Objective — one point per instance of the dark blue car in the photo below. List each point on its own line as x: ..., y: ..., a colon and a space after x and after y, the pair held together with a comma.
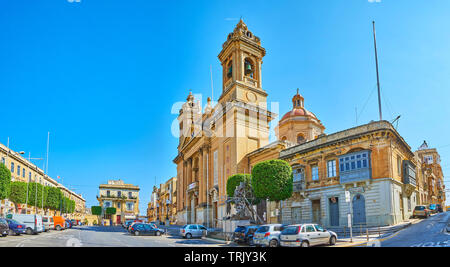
x: 16, y: 227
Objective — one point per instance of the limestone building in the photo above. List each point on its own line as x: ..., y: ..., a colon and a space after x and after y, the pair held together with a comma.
x: 214, y: 142
x: 124, y: 197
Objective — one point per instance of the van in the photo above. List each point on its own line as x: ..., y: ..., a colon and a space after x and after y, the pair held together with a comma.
x: 48, y: 223
x: 33, y: 222
x: 59, y: 223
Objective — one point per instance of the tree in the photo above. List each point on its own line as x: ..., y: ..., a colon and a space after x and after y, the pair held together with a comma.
x: 110, y: 211
x: 18, y: 194
x: 53, y: 197
x: 5, y: 181
x: 234, y: 181
x: 273, y: 180
x: 96, y: 210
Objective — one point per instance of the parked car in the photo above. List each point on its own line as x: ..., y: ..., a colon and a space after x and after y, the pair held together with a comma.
x: 127, y: 223
x: 421, y: 211
x: 244, y: 234
x: 48, y: 223
x: 33, y: 222
x: 268, y: 235
x: 4, y: 227
x: 305, y: 235
x: 59, y: 223
x: 15, y: 227
x: 432, y: 208
x: 192, y: 230
x: 68, y: 224
x: 145, y: 229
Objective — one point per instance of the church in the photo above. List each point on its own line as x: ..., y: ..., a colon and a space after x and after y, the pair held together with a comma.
x: 372, y: 162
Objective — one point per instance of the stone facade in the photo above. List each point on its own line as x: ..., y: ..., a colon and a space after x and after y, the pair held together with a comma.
x: 214, y: 142
x: 24, y: 170
x: 163, y: 203
x: 124, y: 197
x: 369, y: 162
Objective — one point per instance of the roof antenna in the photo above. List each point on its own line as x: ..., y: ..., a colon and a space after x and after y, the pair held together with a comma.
x: 378, y: 76
x: 396, y: 120
x: 212, y: 85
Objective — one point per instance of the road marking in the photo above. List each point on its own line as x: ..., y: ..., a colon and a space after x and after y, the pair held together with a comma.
x: 433, y: 244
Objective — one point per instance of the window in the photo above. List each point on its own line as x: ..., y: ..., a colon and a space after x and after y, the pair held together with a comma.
x: 319, y: 228
x: 354, y: 161
x: 331, y: 168
x: 118, y: 205
x: 119, y: 193
x: 23, y: 172
x: 3, y: 160
x: 130, y: 206
x: 399, y: 165
x: 216, y: 167
x: 18, y: 170
x: 428, y: 159
x: 315, y: 173
x: 299, y: 174
x: 310, y: 228
x: 107, y: 204
x: 130, y: 195
x: 300, y: 139
x: 12, y: 167
x: 108, y: 193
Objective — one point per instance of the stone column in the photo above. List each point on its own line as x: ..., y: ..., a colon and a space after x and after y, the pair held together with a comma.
x: 201, y: 180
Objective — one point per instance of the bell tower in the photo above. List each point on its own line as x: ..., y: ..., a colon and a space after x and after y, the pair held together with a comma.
x: 241, y: 59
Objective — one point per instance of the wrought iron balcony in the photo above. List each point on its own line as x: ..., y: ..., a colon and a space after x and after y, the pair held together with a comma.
x: 299, y: 186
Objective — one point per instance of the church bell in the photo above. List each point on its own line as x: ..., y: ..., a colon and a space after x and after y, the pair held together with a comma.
x: 248, y: 68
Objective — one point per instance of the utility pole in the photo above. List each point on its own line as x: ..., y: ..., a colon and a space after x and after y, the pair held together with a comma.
x: 378, y: 75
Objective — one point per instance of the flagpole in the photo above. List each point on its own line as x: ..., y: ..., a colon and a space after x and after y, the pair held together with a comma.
x: 378, y: 76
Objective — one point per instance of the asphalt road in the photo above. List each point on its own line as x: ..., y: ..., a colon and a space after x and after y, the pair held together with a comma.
x: 98, y: 236
x: 426, y: 233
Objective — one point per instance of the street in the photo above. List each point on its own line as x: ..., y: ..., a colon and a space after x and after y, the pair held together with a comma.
x: 98, y: 236
x: 426, y: 233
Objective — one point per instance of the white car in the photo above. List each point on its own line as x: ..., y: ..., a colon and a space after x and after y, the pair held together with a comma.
x: 305, y: 235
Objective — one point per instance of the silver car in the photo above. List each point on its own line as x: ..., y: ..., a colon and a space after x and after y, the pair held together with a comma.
x: 268, y: 235
x: 305, y: 235
x: 192, y: 230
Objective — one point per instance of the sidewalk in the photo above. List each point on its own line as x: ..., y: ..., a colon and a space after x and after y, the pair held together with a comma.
x: 374, y: 238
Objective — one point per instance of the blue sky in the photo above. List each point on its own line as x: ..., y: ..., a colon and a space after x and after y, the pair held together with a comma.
x: 102, y: 75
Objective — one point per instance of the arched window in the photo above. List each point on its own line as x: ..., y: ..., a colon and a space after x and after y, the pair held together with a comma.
x: 283, y: 138
x: 300, y: 139
x: 248, y: 68
x: 230, y: 69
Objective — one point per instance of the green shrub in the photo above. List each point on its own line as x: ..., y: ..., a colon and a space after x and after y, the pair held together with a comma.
x: 272, y: 180
x: 234, y: 181
x: 96, y: 210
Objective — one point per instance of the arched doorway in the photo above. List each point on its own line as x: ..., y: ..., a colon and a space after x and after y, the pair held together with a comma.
x: 359, y: 209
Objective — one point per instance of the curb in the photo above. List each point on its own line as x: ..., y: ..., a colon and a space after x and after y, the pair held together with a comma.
x: 216, y: 240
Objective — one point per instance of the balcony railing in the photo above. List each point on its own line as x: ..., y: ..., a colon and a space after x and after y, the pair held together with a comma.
x: 299, y: 186
x: 355, y: 175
